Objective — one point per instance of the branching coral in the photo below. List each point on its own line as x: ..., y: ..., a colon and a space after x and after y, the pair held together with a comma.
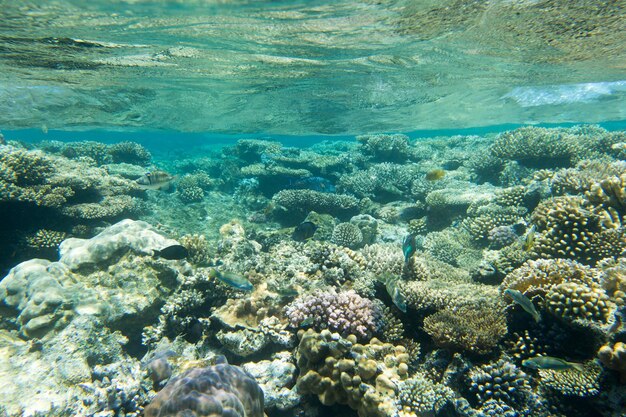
x: 348, y: 235
x: 345, y: 312
x: 301, y: 202
x: 470, y: 329
x: 573, y: 382
x: 393, y: 148
x: 536, y: 146
x: 130, y: 153
x: 500, y: 380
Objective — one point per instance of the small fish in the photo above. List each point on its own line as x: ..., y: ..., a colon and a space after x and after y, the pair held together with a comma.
x: 233, y: 279
x: 307, y: 322
x: 523, y: 302
x: 304, y: 231
x: 393, y: 289
x: 155, y: 180
x: 435, y: 174
x: 529, y: 239
x: 173, y: 252
x: 408, y: 247
x: 549, y: 362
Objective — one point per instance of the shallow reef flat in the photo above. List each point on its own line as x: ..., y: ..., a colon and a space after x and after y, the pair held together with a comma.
x: 379, y: 277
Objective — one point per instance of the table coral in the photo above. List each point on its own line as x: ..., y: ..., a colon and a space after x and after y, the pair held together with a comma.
x: 218, y: 390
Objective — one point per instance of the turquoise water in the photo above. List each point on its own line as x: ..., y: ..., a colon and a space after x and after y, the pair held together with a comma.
x: 390, y: 208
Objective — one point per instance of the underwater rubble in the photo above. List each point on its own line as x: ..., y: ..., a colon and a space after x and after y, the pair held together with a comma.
x: 425, y: 278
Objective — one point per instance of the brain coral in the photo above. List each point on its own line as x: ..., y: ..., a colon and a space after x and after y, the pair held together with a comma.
x: 345, y: 312
x: 219, y: 390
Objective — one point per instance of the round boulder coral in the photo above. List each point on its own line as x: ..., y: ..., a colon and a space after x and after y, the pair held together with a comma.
x: 219, y: 390
x: 347, y: 234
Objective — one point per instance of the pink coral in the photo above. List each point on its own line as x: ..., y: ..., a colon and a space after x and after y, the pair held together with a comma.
x: 345, y: 312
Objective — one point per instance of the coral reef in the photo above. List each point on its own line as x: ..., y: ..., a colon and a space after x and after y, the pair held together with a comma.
x: 395, y: 307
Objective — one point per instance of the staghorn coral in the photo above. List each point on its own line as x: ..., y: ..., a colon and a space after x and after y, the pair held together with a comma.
x: 499, y: 380
x: 572, y: 382
x: 218, y: 390
x: 348, y: 235
x: 130, y: 153
x: 341, y: 371
x: 470, y: 329
x: 609, y: 192
x: 300, y: 202
x: 345, y: 312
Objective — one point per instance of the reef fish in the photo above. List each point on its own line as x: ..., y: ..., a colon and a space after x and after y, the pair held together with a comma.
x: 173, y: 252
x: 408, y: 247
x: 529, y: 239
x: 233, y: 279
x: 155, y: 180
x: 304, y: 231
x: 524, y: 302
x: 393, y: 289
x: 313, y: 183
x: 549, y: 362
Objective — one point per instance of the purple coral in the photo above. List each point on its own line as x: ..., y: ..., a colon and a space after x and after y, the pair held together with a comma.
x: 502, y: 236
x: 345, y: 312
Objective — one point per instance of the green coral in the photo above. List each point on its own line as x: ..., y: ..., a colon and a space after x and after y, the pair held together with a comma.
x: 476, y: 330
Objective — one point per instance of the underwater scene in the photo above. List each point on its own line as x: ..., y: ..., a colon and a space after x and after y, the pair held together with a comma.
x: 376, y: 208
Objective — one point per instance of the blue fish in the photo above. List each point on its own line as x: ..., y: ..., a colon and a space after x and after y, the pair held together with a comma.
x: 408, y: 247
